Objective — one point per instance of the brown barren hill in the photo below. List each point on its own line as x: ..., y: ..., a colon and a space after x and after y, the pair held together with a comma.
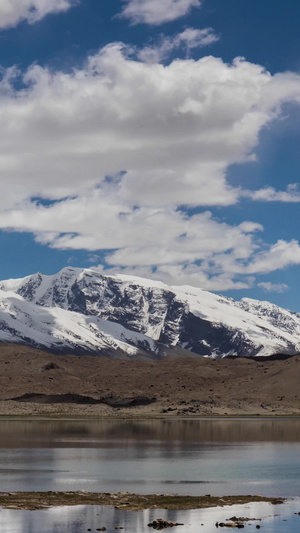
x: 33, y: 382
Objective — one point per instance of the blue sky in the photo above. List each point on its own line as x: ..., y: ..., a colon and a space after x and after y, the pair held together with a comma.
x: 159, y: 138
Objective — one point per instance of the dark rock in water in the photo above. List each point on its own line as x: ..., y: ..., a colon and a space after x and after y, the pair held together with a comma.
x: 242, y: 519
x: 233, y: 525
x: 160, y: 523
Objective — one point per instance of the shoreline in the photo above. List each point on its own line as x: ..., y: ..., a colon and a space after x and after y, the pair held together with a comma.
x: 155, y: 411
x: 82, y: 417
x: 33, y: 501
x: 33, y: 411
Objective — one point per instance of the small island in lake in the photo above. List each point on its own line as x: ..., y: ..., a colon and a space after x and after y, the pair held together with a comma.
x: 122, y: 500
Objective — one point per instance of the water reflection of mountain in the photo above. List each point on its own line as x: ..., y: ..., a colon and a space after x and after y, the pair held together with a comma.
x: 90, y: 433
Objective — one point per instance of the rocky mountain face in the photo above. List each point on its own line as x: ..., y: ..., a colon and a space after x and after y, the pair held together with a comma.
x: 85, y: 311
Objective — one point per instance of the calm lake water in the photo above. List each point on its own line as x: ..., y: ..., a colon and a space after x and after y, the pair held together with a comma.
x: 194, y: 457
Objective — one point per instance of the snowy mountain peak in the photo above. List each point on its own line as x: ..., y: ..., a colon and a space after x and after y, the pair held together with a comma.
x: 148, y: 317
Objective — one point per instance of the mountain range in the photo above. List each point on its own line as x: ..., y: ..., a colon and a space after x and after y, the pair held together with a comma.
x: 84, y: 311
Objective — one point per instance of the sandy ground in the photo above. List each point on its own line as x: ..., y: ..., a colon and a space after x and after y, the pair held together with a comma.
x: 176, y: 386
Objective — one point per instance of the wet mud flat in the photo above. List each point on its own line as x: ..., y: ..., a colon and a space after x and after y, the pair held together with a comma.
x: 123, y: 500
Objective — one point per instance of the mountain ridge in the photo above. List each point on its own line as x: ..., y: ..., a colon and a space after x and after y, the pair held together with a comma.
x: 86, y: 311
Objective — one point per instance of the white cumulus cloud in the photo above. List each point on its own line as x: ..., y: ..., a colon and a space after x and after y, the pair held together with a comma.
x: 173, y: 130
x: 114, y: 150
x: 155, y: 12
x: 269, y: 194
x: 189, y: 39
x: 280, y: 255
x: 14, y: 11
x: 268, y: 286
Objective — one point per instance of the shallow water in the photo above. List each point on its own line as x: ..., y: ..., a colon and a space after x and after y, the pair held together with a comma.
x: 194, y: 457
x: 273, y: 519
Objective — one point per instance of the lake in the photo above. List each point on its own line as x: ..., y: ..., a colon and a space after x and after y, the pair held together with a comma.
x: 199, y: 456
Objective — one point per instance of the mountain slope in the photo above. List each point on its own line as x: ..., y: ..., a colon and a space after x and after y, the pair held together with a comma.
x: 87, y: 311
x: 64, y: 331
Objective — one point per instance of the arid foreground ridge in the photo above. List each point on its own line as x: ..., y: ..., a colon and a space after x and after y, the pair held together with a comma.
x: 99, y: 387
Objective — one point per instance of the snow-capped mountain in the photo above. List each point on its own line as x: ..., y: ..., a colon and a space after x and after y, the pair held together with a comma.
x: 85, y: 311
x: 64, y: 331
